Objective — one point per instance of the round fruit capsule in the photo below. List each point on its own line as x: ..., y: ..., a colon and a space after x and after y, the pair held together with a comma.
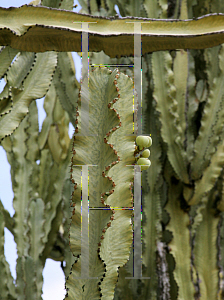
x: 144, y: 163
x: 142, y: 141
x: 146, y: 153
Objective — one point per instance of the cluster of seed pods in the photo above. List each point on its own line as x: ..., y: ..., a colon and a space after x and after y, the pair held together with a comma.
x: 144, y: 142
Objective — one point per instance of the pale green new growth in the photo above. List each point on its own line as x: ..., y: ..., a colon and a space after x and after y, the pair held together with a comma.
x: 145, y: 163
x: 143, y: 141
x: 146, y: 153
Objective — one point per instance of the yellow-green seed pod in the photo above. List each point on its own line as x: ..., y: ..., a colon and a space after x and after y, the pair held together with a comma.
x: 142, y: 141
x: 146, y: 153
x: 144, y: 163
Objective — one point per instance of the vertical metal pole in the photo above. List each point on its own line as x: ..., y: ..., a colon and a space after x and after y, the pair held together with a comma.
x: 137, y: 177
